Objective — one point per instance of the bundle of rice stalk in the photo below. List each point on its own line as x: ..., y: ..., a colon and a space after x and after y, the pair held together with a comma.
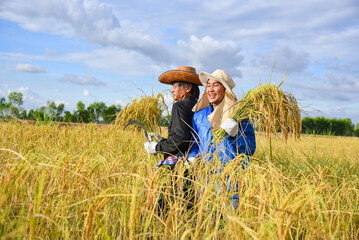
x: 147, y: 110
x: 270, y: 109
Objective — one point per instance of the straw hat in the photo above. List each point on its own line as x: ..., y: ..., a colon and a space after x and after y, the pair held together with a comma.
x: 182, y: 74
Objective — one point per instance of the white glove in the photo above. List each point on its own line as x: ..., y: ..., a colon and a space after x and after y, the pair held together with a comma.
x: 191, y: 159
x: 150, y: 147
x: 231, y: 127
x: 189, y: 162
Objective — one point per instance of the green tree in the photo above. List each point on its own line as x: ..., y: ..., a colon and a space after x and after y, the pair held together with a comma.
x: 80, y: 105
x: 82, y: 115
x: 68, y: 117
x: 7, y: 109
x: 39, y: 114
x: 31, y: 115
x: 51, y: 109
x: 15, y: 111
x: 95, y: 109
x: 2, y: 106
x: 15, y: 98
x: 356, y: 131
x: 165, y: 120
x: 109, y: 114
x: 60, y: 110
x: 23, y: 114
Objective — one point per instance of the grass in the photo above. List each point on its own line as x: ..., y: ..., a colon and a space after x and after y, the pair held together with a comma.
x: 83, y: 181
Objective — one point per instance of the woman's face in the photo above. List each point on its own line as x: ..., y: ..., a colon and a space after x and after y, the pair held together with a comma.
x: 214, y: 91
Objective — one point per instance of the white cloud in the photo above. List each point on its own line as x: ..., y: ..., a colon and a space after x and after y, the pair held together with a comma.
x: 90, y: 19
x: 51, y: 53
x: 284, y: 59
x: 210, y: 54
x: 339, y: 108
x: 86, y: 92
x: 58, y: 102
x: 30, y: 97
x: 68, y: 17
x: 29, y: 68
x: 114, y: 60
x: 85, y: 80
x: 23, y: 89
x: 121, y: 102
x: 319, y: 89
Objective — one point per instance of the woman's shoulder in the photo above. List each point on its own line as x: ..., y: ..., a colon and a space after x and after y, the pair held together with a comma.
x: 203, y: 111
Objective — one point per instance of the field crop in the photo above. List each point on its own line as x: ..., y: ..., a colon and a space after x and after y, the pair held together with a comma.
x: 85, y: 181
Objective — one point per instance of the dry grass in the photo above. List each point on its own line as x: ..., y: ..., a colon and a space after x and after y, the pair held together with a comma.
x: 146, y: 109
x: 270, y: 108
x: 77, y: 182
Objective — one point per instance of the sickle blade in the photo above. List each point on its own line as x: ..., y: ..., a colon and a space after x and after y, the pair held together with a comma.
x: 141, y: 125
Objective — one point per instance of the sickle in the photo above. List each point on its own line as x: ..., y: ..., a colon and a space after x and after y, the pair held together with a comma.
x: 141, y: 125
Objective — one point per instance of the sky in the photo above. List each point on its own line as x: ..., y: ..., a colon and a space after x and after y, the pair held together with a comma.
x: 114, y: 51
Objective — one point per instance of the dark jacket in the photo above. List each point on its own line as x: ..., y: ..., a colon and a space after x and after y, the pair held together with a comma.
x: 179, y: 129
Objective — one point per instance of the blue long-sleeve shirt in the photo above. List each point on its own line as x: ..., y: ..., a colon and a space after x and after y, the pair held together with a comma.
x: 229, y: 148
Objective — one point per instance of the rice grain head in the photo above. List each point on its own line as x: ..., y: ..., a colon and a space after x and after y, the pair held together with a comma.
x: 270, y: 109
x: 147, y: 110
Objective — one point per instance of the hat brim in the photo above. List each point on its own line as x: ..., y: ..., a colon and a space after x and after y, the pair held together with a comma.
x: 204, y: 77
x: 172, y: 76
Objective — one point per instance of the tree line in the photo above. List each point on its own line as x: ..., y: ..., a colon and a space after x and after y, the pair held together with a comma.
x: 96, y: 112
x: 325, y: 126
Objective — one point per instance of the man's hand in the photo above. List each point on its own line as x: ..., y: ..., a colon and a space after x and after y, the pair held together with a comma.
x: 231, y: 127
x: 156, y: 136
x: 150, y: 147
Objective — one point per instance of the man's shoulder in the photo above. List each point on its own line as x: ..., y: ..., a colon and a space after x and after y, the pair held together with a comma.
x: 187, y: 102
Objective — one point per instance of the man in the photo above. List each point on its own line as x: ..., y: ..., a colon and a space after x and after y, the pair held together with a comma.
x: 185, y: 93
x: 211, y: 113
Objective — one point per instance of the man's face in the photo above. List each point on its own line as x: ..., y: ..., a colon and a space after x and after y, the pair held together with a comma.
x: 179, y: 93
x: 214, y: 91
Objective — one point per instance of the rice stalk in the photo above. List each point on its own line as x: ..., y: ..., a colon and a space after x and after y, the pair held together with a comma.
x: 270, y: 109
x: 147, y: 110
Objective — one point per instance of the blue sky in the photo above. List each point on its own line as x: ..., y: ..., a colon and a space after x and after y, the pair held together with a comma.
x: 114, y: 51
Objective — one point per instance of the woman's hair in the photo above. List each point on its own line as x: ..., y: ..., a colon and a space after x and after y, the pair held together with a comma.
x: 194, y: 90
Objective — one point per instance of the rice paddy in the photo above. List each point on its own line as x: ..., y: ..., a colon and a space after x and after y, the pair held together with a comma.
x: 90, y: 182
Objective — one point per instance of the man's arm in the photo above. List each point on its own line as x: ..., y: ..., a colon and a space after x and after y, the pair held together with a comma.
x: 180, y: 132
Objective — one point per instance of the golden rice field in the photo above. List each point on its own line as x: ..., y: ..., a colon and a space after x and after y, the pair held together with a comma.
x: 88, y: 182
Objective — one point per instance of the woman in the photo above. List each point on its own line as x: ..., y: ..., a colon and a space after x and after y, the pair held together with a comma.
x: 211, y: 113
